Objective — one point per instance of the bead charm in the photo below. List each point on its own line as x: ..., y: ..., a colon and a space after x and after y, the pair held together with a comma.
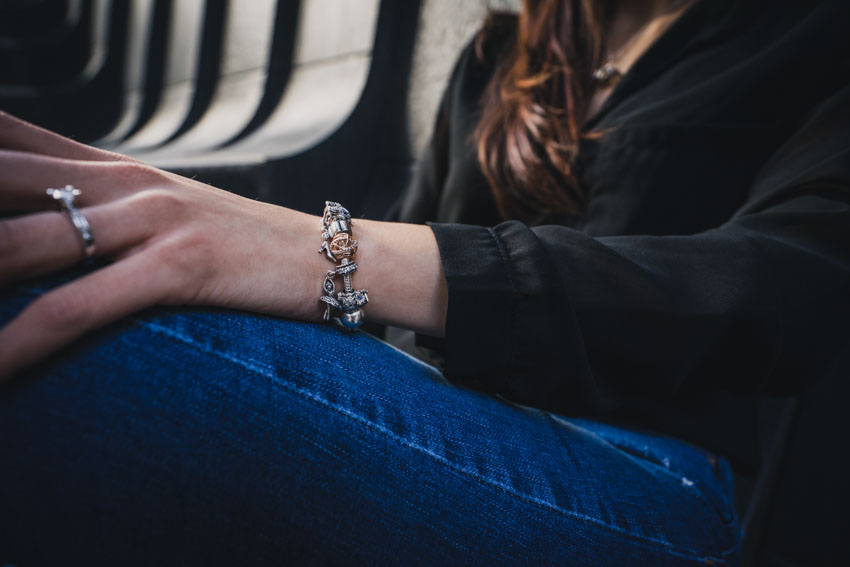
x: 339, y: 246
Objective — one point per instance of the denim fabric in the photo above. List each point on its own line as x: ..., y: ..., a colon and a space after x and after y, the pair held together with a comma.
x: 192, y: 436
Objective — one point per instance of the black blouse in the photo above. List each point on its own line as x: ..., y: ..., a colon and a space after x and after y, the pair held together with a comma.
x: 713, y: 261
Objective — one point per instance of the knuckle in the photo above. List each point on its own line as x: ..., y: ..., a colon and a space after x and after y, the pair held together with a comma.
x: 110, y: 156
x: 135, y: 173
x: 161, y: 203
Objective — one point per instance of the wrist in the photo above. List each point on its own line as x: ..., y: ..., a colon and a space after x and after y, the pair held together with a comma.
x: 401, y: 268
x: 399, y: 264
x: 294, y: 268
x: 340, y: 247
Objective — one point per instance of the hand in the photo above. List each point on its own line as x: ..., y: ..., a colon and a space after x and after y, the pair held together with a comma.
x: 171, y: 241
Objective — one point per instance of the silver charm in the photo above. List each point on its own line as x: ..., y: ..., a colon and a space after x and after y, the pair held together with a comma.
x: 340, y: 247
x: 326, y: 248
x: 346, y: 267
x: 352, y: 300
x: 352, y: 320
x: 607, y: 75
x: 329, y: 287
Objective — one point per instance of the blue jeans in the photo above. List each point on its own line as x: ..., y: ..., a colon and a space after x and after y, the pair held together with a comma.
x: 191, y: 436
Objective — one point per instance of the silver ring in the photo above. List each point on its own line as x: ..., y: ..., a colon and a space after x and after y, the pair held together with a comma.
x: 66, y: 197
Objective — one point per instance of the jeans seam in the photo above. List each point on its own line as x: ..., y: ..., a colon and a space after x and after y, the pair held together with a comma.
x: 684, y: 553
x: 340, y: 367
x: 248, y: 365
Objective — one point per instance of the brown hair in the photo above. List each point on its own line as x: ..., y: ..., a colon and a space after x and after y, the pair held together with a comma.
x: 528, y: 136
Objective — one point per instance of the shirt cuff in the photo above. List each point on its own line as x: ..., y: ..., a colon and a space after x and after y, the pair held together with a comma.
x: 510, y: 327
x: 481, y: 305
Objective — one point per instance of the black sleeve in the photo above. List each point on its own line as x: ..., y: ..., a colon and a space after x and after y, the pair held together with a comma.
x: 551, y: 317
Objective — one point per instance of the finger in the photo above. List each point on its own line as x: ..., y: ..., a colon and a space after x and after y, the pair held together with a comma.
x: 64, y: 314
x: 16, y: 134
x: 47, y: 242
x: 26, y: 178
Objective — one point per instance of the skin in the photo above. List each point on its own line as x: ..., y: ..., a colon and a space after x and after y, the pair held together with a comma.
x: 175, y: 241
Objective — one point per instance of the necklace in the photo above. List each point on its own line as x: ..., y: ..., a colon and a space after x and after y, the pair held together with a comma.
x: 608, y: 74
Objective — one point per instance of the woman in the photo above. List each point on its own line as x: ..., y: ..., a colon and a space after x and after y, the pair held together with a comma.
x: 677, y: 174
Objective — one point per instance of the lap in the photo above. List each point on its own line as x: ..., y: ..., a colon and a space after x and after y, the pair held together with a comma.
x: 201, y: 435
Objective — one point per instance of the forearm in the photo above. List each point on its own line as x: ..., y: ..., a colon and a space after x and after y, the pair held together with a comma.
x: 399, y: 265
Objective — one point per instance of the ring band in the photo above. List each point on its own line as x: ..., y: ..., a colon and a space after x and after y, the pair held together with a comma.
x: 66, y: 197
